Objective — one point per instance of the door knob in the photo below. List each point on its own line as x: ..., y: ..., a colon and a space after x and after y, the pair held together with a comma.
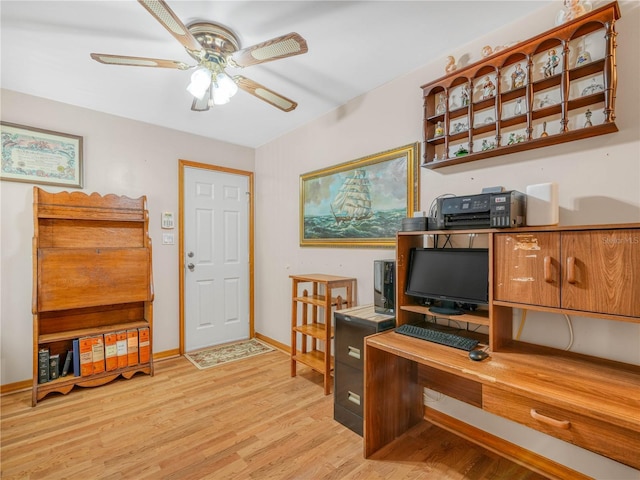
x: 190, y: 254
x: 191, y: 266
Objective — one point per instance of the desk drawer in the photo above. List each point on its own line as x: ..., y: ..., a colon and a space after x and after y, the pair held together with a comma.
x: 610, y: 440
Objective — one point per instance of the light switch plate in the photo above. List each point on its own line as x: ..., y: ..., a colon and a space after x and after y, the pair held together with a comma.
x: 168, y: 239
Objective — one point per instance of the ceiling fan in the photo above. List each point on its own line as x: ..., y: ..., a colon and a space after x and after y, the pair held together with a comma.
x: 214, y: 48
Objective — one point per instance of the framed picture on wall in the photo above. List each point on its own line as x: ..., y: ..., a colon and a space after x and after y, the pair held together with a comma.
x: 360, y: 203
x: 33, y: 155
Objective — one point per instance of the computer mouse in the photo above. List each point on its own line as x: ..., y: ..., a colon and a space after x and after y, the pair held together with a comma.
x: 478, y: 355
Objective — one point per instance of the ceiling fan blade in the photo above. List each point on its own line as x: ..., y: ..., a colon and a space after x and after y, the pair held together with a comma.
x: 263, y: 93
x: 138, y: 61
x: 169, y: 20
x: 274, y: 49
x: 201, y: 105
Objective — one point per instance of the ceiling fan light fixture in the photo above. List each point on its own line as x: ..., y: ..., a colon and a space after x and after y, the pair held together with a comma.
x: 223, y: 88
x: 200, y: 82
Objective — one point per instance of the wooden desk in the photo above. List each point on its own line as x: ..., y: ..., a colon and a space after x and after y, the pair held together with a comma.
x: 593, y: 403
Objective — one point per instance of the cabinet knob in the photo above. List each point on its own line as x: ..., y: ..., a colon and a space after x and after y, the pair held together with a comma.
x: 571, y: 270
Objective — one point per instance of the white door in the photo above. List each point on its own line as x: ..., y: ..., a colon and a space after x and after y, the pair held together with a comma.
x: 216, y: 262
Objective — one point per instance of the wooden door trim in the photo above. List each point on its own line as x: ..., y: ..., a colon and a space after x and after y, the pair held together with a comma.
x: 182, y: 164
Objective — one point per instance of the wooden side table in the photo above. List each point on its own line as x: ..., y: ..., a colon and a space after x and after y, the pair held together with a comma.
x: 326, y: 292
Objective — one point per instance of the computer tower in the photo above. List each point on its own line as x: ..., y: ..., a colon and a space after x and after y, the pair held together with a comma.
x: 384, y: 286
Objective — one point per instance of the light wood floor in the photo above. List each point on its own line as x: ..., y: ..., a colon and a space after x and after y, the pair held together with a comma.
x: 243, y: 420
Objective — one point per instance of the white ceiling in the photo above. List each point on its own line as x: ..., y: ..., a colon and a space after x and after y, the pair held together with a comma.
x: 354, y: 47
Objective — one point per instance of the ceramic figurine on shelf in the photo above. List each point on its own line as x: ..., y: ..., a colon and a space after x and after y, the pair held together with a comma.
x: 544, y: 130
x: 553, y: 60
x: 572, y: 10
x: 592, y: 88
x: 584, y: 57
x: 439, y: 129
x: 518, y: 108
x: 488, y: 88
x: 486, y: 145
x: 512, y: 139
x: 442, y: 105
x: 587, y: 115
x: 486, y: 51
x: 451, y: 64
x: 465, y: 95
x: 545, y: 101
x: 518, y: 77
x: 461, y: 151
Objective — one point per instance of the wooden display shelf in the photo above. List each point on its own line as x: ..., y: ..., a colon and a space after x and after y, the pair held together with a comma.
x: 479, y: 317
x: 319, y: 298
x: 314, y: 359
x: 87, y: 332
x: 440, y: 151
x: 315, y: 330
x: 65, y: 384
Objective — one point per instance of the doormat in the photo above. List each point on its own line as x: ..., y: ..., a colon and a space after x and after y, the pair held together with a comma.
x: 210, y: 357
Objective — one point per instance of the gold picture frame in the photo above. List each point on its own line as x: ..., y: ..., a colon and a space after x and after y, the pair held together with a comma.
x: 34, y: 155
x: 360, y: 203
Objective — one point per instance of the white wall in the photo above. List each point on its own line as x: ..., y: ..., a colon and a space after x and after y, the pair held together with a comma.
x: 123, y: 157
x: 599, y: 181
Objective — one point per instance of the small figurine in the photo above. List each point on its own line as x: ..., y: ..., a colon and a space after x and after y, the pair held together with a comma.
x: 587, y: 115
x: 439, y: 129
x: 552, y: 62
x: 545, y: 101
x: 465, y: 95
x: 442, y: 105
x: 460, y: 127
x: 486, y: 51
x: 518, y: 108
x: 518, y: 77
x: 451, y: 64
x: 544, y: 130
x: 584, y: 57
x: 488, y: 88
x: 593, y: 88
x: 486, y: 145
x: 572, y: 10
x: 461, y: 151
x: 512, y: 139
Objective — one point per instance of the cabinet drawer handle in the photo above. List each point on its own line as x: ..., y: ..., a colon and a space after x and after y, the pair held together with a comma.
x: 571, y: 270
x: 563, y: 424
x: 354, y: 398
x: 354, y: 352
x: 547, y: 270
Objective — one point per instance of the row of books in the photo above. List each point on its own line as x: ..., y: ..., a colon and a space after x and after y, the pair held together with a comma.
x: 97, y: 354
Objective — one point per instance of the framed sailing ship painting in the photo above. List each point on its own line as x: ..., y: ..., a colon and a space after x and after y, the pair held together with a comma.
x: 361, y: 202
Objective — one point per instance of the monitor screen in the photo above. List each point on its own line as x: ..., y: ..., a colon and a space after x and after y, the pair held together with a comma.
x: 459, y: 275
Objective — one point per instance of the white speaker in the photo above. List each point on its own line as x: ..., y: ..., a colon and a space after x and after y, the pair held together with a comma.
x: 542, y: 204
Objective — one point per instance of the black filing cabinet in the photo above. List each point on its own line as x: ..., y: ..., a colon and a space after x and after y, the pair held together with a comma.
x: 352, y: 326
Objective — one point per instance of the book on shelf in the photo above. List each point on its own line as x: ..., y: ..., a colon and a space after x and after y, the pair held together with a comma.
x: 132, y: 347
x: 86, y: 356
x: 121, y: 348
x: 43, y: 365
x: 54, y: 366
x: 97, y: 350
x: 76, y: 357
x: 144, y: 346
x: 110, y: 352
x: 67, y: 363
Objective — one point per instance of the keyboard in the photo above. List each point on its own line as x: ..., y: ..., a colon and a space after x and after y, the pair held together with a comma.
x: 438, y: 336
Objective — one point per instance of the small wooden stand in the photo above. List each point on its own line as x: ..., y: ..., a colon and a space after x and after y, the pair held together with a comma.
x: 317, y: 328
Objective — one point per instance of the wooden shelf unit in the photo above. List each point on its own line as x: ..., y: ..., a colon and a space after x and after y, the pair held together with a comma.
x: 326, y: 292
x: 494, y: 119
x: 91, y: 275
x: 591, y: 271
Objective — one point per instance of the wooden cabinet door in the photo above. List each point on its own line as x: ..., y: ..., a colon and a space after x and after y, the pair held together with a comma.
x: 526, y: 268
x: 601, y: 271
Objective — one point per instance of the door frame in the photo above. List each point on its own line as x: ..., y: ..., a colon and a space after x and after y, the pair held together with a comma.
x: 182, y: 164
